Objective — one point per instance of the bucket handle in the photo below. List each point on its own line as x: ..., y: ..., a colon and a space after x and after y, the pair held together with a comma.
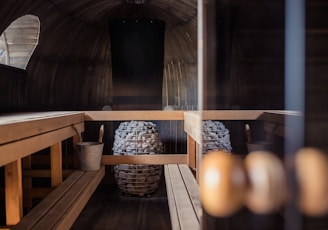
x: 77, y: 133
x: 101, y: 134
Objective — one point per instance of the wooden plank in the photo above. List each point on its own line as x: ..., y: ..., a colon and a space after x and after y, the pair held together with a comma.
x: 45, y: 205
x: 158, y: 159
x: 133, y: 115
x: 186, y: 214
x: 193, y: 125
x: 171, y: 200
x: 67, y: 220
x: 70, y: 205
x: 268, y: 115
x: 192, y: 188
x: 13, y: 192
x: 56, y: 167
x: 231, y: 114
x: 19, y: 149
x: 19, y: 126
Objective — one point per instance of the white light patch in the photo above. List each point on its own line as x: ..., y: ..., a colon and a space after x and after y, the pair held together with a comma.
x: 258, y: 175
x: 212, y: 177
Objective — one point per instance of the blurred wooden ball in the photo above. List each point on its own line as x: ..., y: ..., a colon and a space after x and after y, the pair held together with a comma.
x: 312, y: 175
x: 222, y: 183
x: 267, y: 182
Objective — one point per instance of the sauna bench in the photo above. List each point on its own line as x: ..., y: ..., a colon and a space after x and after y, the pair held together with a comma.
x: 23, y: 134
x: 183, y: 197
x: 62, y: 206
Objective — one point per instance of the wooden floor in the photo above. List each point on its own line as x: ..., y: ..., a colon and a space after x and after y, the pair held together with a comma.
x: 109, y: 209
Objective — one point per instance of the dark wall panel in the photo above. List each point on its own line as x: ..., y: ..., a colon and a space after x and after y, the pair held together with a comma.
x: 137, y: 49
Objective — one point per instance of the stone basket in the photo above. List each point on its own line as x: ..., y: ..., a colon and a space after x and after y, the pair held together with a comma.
x: 137, y: 138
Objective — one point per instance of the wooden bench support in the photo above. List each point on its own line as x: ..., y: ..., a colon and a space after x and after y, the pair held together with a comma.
x: 14, y: 192
x: 56, y: 164
x: 183, y: 197
x: 63, y: 205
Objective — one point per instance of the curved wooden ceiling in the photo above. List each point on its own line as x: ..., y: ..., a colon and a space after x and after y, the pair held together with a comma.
x: 64, y: 24
x: 173, y: 12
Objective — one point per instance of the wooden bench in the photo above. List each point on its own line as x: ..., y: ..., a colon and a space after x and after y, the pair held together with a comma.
x: 63, y: 205
x: 183, y: 197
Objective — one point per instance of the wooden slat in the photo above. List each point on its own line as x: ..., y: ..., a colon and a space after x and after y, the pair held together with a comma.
x: 19, y: 149
x: 92, y: 179
x: 56, y: 167
x: 63, y: 205
x: 18, y: 126
x: 45, y: 205
x: 13, y: 192
x: 171, y: 200
x: 158, y: 159
x: 192, y: 188
x: 187, y: 217
x: 66, y: 210
x: 133, y: 115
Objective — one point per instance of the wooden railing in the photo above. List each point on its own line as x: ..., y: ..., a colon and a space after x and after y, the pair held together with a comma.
x: 21, y: 135
x: 158, y: 159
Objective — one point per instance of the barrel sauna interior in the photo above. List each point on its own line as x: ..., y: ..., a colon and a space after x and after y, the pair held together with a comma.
x: 244, y: 47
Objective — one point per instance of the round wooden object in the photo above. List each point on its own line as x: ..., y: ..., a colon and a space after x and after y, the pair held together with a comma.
x: 267, y: 182
x: 222, y: 183
x: 312, y: 174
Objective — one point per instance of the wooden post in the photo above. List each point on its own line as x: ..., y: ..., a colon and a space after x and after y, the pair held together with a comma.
x: 27, y: 181
x: 198, y: 156
x: 76, y: 139
x: 191, y: 151
x: 13, y: 192
x: 56, y: 164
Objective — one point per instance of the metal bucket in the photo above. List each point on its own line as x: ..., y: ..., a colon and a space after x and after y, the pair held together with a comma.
x: 89, y: 154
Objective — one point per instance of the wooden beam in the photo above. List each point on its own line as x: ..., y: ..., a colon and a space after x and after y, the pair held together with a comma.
x: 19, y: 126
x: 133, y: 115
x: 231, y: 114
x: 13, y: 192
x: 158, y: 159
x: 22, y: 148
x: 193, y: 125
